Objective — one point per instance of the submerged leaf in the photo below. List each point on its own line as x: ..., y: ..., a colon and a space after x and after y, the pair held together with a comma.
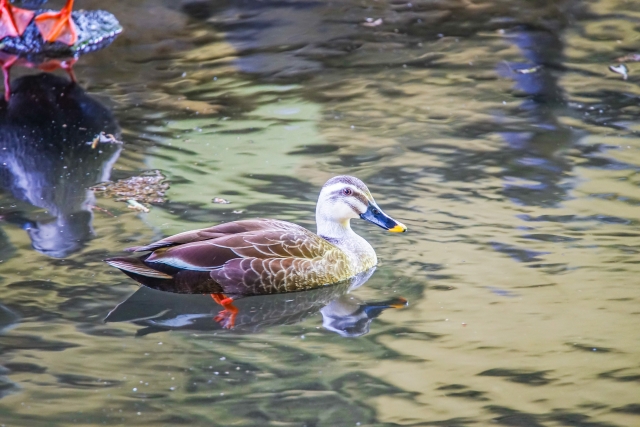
x: 132, y: 204
x: 147, y: 188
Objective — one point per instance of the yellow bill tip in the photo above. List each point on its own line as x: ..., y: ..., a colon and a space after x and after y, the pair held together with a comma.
x: 399, y: 303
x: 398, y: 228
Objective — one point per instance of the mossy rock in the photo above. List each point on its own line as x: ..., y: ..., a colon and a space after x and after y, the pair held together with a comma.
x: 96, y: 29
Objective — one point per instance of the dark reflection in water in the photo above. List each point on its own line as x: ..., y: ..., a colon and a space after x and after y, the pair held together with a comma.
x: 47, y: 160
x: 536, y: 172
x: 167, y: 305
x: 8, y: 320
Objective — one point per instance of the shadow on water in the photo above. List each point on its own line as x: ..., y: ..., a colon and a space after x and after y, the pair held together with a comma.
x: 46, y: 130
x: 166, y: 305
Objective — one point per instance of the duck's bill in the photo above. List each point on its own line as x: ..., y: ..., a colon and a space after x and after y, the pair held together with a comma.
x: 375, y: 216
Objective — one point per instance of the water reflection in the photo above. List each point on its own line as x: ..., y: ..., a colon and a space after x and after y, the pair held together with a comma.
x: 521, y: 261
x: 537, y: 173
x: 167, y: 305
x: 47, y: 160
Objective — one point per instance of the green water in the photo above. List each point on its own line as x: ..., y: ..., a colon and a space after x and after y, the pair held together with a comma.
x: 493, y: 130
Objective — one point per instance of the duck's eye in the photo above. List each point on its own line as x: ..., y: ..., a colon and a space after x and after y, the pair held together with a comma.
x: 375, y: 211
x: 347, y: 191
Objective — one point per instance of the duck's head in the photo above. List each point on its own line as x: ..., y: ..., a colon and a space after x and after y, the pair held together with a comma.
x: 345, y: 197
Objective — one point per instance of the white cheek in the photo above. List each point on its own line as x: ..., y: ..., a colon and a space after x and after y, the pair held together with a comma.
x: 342, y: 211
x: 360, y: 207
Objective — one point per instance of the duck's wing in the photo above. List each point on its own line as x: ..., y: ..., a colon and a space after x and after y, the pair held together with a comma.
x: 217, y: 231
x: 266, y: 244
x: 260, y: 261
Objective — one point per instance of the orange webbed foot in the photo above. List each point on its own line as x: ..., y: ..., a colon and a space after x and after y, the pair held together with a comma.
x: 226, y: 317
x: 13, y: 20
x: 58, y: 26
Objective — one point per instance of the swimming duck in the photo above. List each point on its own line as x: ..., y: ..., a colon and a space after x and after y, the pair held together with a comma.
x: 267, y: 256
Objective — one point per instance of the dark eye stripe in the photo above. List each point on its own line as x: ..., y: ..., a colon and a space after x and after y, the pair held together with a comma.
x: 361, y: 197
x: 357, y: 194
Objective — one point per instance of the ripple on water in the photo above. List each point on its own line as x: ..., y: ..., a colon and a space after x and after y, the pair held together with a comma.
x: 493, y: 130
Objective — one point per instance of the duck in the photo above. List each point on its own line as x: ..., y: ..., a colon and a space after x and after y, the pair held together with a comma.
x: 268, y: 256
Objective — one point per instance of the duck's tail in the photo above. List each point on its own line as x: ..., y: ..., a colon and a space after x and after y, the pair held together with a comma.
x: 136, y: 266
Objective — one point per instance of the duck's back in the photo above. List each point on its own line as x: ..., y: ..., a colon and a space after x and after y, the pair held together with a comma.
x: 220, y: 230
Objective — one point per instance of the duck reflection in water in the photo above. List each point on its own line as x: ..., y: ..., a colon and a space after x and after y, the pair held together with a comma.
x: 47, y: 160
x: 164, y: 305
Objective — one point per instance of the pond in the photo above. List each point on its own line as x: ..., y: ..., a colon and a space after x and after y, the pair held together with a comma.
x: 493, y: 129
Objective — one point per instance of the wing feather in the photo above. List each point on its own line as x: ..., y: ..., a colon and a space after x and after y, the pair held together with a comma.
x: 217, y: 231
x: 254, y: 256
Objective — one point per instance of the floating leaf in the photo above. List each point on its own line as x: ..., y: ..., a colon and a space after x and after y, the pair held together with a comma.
x: 221, y: 201
x: 620, y: 69
x: 103, y: 138
x: 528, y: 70
x: 632, y: 57
x: 371, y: 23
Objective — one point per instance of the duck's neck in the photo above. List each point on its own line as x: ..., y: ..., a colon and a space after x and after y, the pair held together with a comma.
x: 332, y: 230
x: 340, y: 234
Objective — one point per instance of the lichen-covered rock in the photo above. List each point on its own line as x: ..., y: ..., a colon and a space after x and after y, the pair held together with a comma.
x: 96, y: 30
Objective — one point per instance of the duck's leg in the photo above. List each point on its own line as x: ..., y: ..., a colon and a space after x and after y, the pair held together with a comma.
x: 66, y: 65
x: 58, y: 26
x: 13, y: 20
x: 6, y: 72
x: 227, y: 317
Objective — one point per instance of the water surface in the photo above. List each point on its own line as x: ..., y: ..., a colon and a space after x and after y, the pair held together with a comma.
x: 493, y: 130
